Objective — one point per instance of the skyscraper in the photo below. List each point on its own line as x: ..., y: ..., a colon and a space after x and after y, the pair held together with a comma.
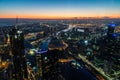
x: 17, y: 49
x: 48, y: 57
x: 111, y: 29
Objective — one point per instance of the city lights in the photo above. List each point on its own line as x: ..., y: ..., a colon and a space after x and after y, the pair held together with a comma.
x: 59, y: 39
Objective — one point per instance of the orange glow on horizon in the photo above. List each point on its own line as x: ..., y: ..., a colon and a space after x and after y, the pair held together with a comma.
x: 54, y: 17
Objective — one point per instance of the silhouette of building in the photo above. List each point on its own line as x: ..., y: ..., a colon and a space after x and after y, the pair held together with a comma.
x: 18, y: 54
x: 48, y: 56
x: 111, y: 28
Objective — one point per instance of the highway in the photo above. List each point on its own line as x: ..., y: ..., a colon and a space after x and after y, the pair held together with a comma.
x: 97, y: 69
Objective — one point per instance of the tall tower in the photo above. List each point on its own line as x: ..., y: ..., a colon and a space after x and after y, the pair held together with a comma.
x: 17, y: 49
x: 111, y: 29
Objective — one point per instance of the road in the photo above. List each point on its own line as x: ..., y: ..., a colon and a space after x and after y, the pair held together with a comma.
x: 97, y: 69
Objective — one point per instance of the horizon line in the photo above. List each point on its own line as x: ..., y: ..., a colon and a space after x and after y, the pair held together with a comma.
x: 104, y: 17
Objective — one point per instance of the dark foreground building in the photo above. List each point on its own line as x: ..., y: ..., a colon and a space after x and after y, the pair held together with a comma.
x: 18, y: 55
x: 47, y: 59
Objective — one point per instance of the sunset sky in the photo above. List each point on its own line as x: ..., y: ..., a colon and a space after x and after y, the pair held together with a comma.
x: 59, y: 8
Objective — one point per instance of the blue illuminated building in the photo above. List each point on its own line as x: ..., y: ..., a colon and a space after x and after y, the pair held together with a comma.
x: 112, y: 25
x: 115, y: 35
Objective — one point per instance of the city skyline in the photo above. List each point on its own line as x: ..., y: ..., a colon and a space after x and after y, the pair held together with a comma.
x: 49, y: 9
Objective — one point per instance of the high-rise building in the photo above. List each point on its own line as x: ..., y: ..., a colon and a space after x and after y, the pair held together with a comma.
x: 46, y: 63
x: 17, y: 50
x: 48, y: 56
x: 111, y: 29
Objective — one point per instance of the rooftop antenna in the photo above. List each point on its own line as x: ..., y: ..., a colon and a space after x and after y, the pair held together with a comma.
x: 16, y: 22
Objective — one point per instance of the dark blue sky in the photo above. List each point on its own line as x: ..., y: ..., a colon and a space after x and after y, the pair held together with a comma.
x: 59, y: 8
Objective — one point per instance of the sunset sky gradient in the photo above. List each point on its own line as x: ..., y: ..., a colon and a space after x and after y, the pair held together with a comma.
x: 59, y: 8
